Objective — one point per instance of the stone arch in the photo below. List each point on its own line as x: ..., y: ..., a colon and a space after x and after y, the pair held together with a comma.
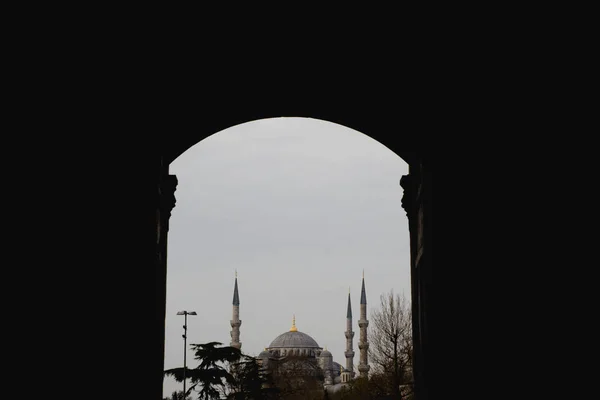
x: 375, y: 123
x: 376, y: 128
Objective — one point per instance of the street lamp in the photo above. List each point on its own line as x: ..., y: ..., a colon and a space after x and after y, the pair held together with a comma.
x: 185, y: 314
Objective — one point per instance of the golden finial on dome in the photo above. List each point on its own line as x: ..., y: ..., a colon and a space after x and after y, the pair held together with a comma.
x: 236, y: 273
x: 293, y: 328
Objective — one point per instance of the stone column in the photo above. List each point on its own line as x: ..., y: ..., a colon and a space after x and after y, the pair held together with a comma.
x: 416, y: 201
x: 165, y: 202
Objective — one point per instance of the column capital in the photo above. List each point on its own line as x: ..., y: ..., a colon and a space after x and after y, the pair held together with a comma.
x: 409, y: 184
x: 167, y: 194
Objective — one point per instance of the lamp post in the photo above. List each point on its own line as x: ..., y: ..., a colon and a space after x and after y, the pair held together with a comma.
x: 185, y: 314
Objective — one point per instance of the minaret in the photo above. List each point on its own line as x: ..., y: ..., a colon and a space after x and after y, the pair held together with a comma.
x: 363, y: 323
x: 236, y: 322
x: 349, y: 353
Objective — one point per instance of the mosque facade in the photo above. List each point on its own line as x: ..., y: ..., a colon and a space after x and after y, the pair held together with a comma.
x: 298, y: 348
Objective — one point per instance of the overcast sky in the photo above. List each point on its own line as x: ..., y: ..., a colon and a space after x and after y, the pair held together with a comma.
x: 299, y: 207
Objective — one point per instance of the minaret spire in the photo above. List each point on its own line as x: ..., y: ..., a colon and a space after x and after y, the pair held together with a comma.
x: 349, y: 353
x: 363, y: 323
x: 363, y: 292
x: 236, y: 296
x: 349, y: 312
x: 236, y: 322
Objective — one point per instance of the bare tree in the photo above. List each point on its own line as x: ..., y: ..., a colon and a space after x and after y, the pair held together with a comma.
x: 390, y: 345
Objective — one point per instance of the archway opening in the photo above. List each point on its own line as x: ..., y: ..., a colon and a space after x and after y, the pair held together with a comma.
x: 299, y: 207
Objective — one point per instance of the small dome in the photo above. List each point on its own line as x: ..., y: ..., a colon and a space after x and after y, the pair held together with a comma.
x: 326, y: 353
x: 294, y: 339
x: 264, y: 354
x: 337, y: 369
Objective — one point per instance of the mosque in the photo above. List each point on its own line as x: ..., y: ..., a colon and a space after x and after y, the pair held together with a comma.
x: 293, y: 346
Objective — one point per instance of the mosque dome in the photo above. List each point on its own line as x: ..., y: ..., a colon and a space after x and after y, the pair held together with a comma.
x: 326, y: 353
x: 294, y: 339
x: 337, y: 368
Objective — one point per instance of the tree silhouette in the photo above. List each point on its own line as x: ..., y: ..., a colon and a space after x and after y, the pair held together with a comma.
x: 178, y: 395
x: 253, y: 382
x: 210, y: 376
